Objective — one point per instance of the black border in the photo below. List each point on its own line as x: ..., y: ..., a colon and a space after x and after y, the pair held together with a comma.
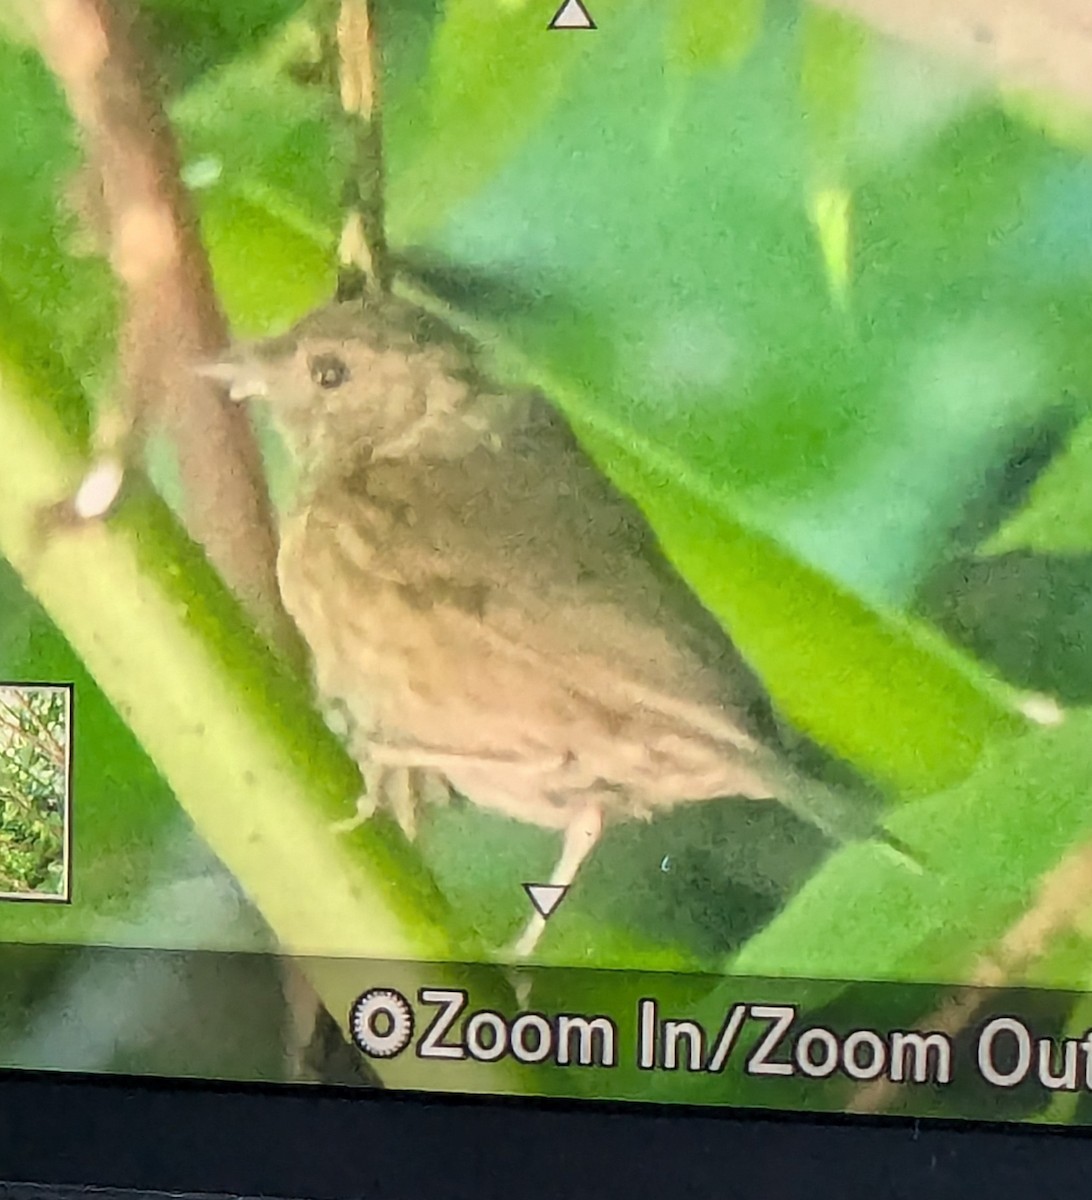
x: 321, y: 1144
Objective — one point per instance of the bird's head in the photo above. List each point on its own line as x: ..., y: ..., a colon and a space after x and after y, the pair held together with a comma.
x: 354, y: 382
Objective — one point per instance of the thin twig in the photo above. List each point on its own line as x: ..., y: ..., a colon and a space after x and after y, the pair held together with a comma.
x: 172, y: 318
x: 46, y: 744
x: 364, y: 239
x: 28, y: 739
x: 22, y: 703
x: 41, y: 740
x: 1063, y: 900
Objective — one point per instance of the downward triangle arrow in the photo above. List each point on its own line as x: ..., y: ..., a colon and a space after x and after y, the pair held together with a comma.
x: 572, y: 15
x: 545, y: 896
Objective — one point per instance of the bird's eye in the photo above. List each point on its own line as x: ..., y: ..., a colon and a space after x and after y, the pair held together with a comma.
x: 328, y: 371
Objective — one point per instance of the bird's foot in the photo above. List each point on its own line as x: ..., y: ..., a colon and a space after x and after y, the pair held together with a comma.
x: 401, y: 791
x: 366, y: 805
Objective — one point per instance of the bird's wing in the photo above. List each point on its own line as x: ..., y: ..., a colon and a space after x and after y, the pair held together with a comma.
x: 543, y: 609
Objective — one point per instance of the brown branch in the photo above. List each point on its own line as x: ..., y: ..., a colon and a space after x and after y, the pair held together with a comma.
x: 172, y: 319
x: 1064, y: 900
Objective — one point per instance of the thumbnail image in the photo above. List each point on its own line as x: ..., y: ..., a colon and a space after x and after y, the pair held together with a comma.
x: 35, y: 758
x: 581, y: 493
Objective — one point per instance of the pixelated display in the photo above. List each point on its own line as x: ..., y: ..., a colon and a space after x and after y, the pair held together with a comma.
x: 548, y: 550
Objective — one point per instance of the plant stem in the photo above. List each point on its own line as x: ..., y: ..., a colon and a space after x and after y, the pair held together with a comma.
x: 227, y: 725
x: 364, y: 241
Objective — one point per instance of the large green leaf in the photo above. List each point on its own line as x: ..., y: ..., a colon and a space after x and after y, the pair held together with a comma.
x: 1058, y: 516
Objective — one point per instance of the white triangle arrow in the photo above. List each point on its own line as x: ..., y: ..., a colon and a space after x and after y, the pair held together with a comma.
x: 545, y: 896
x: 572, y: 15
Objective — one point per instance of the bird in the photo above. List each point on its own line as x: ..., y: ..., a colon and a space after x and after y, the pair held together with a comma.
x: 495, y: 618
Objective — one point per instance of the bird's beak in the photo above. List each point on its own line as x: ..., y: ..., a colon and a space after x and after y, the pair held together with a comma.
x: 240, y: 373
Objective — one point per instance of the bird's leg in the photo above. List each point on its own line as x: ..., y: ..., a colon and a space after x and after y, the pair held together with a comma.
x: 581, y: 836
x: 403, y: 799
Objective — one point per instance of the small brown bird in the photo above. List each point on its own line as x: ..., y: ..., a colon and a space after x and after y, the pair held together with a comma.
x: 485, y: 606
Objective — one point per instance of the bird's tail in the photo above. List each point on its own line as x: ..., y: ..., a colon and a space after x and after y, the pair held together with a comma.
x: 843, y: 816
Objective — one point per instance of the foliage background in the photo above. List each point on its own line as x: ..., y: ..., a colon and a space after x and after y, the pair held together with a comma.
x: 818, y: 300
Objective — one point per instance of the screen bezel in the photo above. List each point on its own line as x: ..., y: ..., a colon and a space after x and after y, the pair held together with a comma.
x: 328, y: 1144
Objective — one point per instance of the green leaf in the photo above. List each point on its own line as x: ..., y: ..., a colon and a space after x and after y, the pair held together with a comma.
x: 495, y: 73
x: 63, y: 343
x: 267, y: 273
x: 1059, y: 117
x: 192, y: 37
x: 832, y: 74
x: 265, y: 157
x: 836, y: 51
x: 984, y: 845
x: 888, y: 695
x: 702, y: 36
x: 1057, y: 518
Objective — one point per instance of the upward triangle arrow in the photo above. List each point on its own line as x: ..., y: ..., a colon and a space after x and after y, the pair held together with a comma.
x: 572, y: 15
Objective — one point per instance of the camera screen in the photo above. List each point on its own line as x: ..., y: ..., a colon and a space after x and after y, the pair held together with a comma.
x: 547, y: 551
